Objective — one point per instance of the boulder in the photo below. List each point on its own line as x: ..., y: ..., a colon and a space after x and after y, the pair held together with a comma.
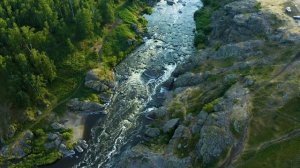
x: 28, y: 135
x: 135, y: 28
x: 182, y: 132
x: 62, y: 147
x: 78, y: 148
x: 50, y: 145
x: 152, y: 132
x: 4, y: 151
x: 230, y: 78
x: 201, y: 118
x: 52, y: 136
x: 83, y: 144
x: 214, y: 141
x: 18, y: 151
x: 152, y: 73
x: 94, y: 81
x: 157, y: 99
x: 131, y: 42
x: 170, y: 2
x: 91, y: 76
x: 68, y: 153
x: 156, y: 113
x: 248, y: 81
x: 57, y: 142
x: 105, y: 97
x: 189, y: 79
x: 85, y: 107
x: 99, y: 86
x: 57, y: 126
x: 168, y: 84
x: 39, y: 112
x: 170, y: 125
x: 239, y: 50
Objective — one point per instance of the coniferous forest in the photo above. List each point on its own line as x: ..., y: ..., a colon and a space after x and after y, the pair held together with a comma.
x: 46, y: 46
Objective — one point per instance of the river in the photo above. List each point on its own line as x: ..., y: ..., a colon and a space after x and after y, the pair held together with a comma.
x: 170, y: 42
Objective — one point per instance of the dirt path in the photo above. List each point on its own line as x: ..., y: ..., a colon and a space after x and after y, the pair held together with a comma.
x: 293, y: 134
x: 294, y: 59
x: 47, y: 112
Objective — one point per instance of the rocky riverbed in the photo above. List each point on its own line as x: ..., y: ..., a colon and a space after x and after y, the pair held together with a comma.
x: 169, y: 43
x: 201, y: 115
x: 177, y: 107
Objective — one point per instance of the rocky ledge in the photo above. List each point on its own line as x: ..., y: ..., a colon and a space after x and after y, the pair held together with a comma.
x: 204, y: 116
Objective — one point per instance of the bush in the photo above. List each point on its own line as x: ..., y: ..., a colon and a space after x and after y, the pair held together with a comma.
x: 203, y: 27
x: 209, y: 107
x: 67, y: 135
x: 258, y: 6
x: 148, y: 10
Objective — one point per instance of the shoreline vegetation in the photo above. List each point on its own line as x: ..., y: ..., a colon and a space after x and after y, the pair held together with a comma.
x: 46, y: 49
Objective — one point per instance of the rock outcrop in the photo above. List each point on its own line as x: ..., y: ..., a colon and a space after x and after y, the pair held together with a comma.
x: 85, y: 107
x: 204, y: 115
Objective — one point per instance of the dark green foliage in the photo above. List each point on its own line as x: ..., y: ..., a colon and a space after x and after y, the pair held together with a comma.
x: 203, y: 21
x: 43, y: 39
x: 203, y: 27
x: 47, y: 46
x: 258, y: 6
x: 212, y: 3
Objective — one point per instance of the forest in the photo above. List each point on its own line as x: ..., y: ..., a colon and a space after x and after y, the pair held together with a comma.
x: 47, y: 46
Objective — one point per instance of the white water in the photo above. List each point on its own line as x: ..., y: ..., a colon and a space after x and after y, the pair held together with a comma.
x: 171, y: 43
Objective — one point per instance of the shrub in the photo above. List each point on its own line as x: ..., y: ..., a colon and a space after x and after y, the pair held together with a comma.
x: 258, y: 6
x: 209, y: 107
x: 67, y: 135
x: 203, y: 27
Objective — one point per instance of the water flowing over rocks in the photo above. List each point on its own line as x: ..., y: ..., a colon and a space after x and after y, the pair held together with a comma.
x: 138, y: 78
x: 204, y: 116
x: 175, y: 107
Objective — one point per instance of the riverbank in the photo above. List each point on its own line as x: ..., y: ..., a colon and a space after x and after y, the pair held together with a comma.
x: 226, y: 102
x: 138, y: 77
x: 54, y: 123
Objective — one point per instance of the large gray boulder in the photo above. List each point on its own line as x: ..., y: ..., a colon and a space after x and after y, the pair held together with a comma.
x: 57, y: 126
x: 171, y: 2
x: 152, y: 132
x: 28, y: 135
x: 213, y: 143
x: 189, y: 79
x: 241, y: 21
x: 93, y: 81
x: 156, y: 113
x: 4, y: 152
x: 152, y: 73
x: 170, y: 125
x: 182, y: 132
x: 99, y: 86
x: 239, y: 50
x: 201, y: 118
x: 52, y: 136
x: 85, y: 107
